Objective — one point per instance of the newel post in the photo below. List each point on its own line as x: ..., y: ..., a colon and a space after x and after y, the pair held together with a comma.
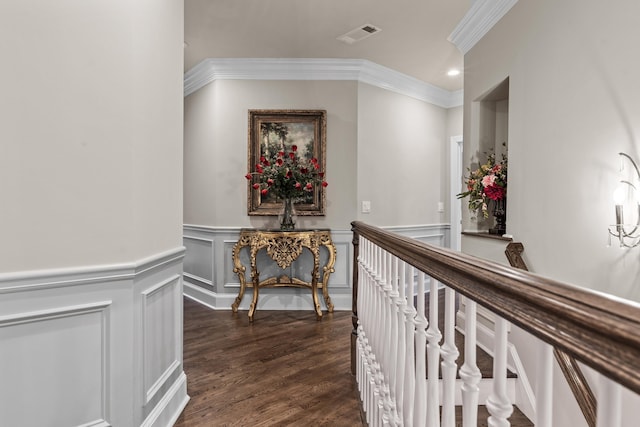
x: 354, y: 299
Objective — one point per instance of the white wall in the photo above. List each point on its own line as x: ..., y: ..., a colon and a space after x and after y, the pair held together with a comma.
x: 573, y: 96
x: 91, y: 216
x: 454, y: 126
x: 389, y: 147
x: 572, y: 102
x: 401, y: 158
x: 91, y: 130
x: 216, y: 129
x: 381, y: 146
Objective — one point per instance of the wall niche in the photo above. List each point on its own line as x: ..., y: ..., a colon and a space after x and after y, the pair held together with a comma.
x: 489, y: 133
x: 493, y: 120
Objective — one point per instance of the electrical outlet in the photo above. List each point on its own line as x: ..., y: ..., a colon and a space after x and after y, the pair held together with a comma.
x: 440, y: 206
x: 366, y: 206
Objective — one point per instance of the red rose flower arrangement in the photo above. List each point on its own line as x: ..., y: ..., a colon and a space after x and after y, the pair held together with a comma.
x: 488, y: 182
x: 286, y: 176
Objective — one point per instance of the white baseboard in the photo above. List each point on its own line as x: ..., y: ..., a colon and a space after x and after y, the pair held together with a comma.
x: 167, y: 411
x: 270, y: 299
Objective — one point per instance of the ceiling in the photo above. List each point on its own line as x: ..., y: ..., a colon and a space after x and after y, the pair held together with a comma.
x: 413, y: 39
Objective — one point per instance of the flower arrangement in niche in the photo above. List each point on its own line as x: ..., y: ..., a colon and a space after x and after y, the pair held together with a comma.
x: 286, y: 176
x: 485, y: 184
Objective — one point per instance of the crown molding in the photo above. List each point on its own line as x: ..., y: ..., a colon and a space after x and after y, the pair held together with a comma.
x: 364, y: 71
x: 480, y: 18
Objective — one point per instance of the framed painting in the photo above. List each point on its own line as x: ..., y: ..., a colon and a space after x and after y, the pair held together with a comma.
x: 278, y: 134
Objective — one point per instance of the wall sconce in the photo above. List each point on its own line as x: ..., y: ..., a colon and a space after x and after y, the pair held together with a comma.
x: 625, y: 195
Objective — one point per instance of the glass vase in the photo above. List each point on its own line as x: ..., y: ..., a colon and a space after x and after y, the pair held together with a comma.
x: 287, y: 218
x: 500, y: 216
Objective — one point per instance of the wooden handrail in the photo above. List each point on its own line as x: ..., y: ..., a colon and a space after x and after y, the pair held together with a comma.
x: 599, y: 330
x: 568, y: 364
x: 578, y: 385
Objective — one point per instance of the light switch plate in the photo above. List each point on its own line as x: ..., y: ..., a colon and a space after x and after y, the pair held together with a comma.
x: 366, y: 206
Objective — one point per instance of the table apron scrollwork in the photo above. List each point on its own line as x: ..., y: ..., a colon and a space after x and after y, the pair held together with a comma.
x: 284, y: 247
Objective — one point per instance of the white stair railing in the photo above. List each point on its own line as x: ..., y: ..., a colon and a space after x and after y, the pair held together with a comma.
x: 469, y: 372
x: 401, y: 349
x: 449, y: 356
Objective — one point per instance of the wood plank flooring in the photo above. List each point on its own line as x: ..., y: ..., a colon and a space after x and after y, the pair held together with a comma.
x: 285, y: 369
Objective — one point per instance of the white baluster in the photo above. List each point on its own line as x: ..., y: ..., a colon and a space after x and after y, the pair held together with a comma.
x: 544, y: 390
x: 410, y: 360
x: 420, y: 398
x: 449, y: 355
x: 609, y: 404
x: 386, y: 340
x: 498, y: 404
x: 469, y: 372
x: 394, y: 345
x: 400, y: 268
x: 362, y: 291
x: 371, y: 332
x: 375, y: 340
x: 363, y: 307
x: 433, y: 352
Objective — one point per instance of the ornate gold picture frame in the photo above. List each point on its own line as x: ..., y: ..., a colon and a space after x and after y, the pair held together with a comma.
x: 271, y: 130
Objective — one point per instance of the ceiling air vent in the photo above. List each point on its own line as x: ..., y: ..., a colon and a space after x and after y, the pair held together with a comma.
x: 359, y: 33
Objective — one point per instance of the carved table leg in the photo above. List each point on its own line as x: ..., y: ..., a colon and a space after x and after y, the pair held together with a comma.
x: 239, y: 269
x: 254, y: 302
x: 327, y: 298
x: 314, y: 283
x: 327, y: 270
x: 316, y: 302
x: 236, y: 303
x: 255, y: 279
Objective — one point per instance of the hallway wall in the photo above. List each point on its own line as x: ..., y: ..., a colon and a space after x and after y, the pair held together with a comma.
x: 381, y: 146
x: 401, y: 158
x: 91, y: 132
x: 91, y: 216
x: 573, y: 105
x: 216, y: 128
x: 573, y: 99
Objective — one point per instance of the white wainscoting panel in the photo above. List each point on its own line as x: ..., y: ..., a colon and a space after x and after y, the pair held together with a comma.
x: 224, y: 288
x: 75, y: 350
x: 231, y: 278
x: 222, y: 291
x: 36, y: 347
x: 200, y: 264
x: 433, y: 234
x: 161, y: 335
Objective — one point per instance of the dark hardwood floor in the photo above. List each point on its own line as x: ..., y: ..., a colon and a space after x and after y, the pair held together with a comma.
x: 285, y: 369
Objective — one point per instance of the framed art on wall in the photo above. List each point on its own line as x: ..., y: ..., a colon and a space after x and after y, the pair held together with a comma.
x: 286, y: 159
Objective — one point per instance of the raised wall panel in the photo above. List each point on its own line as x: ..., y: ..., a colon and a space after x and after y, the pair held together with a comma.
x: 341, y: 277
x: 432, y: 239
x: 198, y: 261
x: 72, y: 344
x: 221, y: 293
x: 55, y: 367
x: 230, y: 278
x: 161, y: 321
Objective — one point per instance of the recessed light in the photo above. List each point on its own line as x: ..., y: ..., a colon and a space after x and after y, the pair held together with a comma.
x: 453, y: 72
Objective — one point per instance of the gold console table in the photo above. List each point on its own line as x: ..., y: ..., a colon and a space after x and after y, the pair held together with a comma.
x: 284, y: 247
